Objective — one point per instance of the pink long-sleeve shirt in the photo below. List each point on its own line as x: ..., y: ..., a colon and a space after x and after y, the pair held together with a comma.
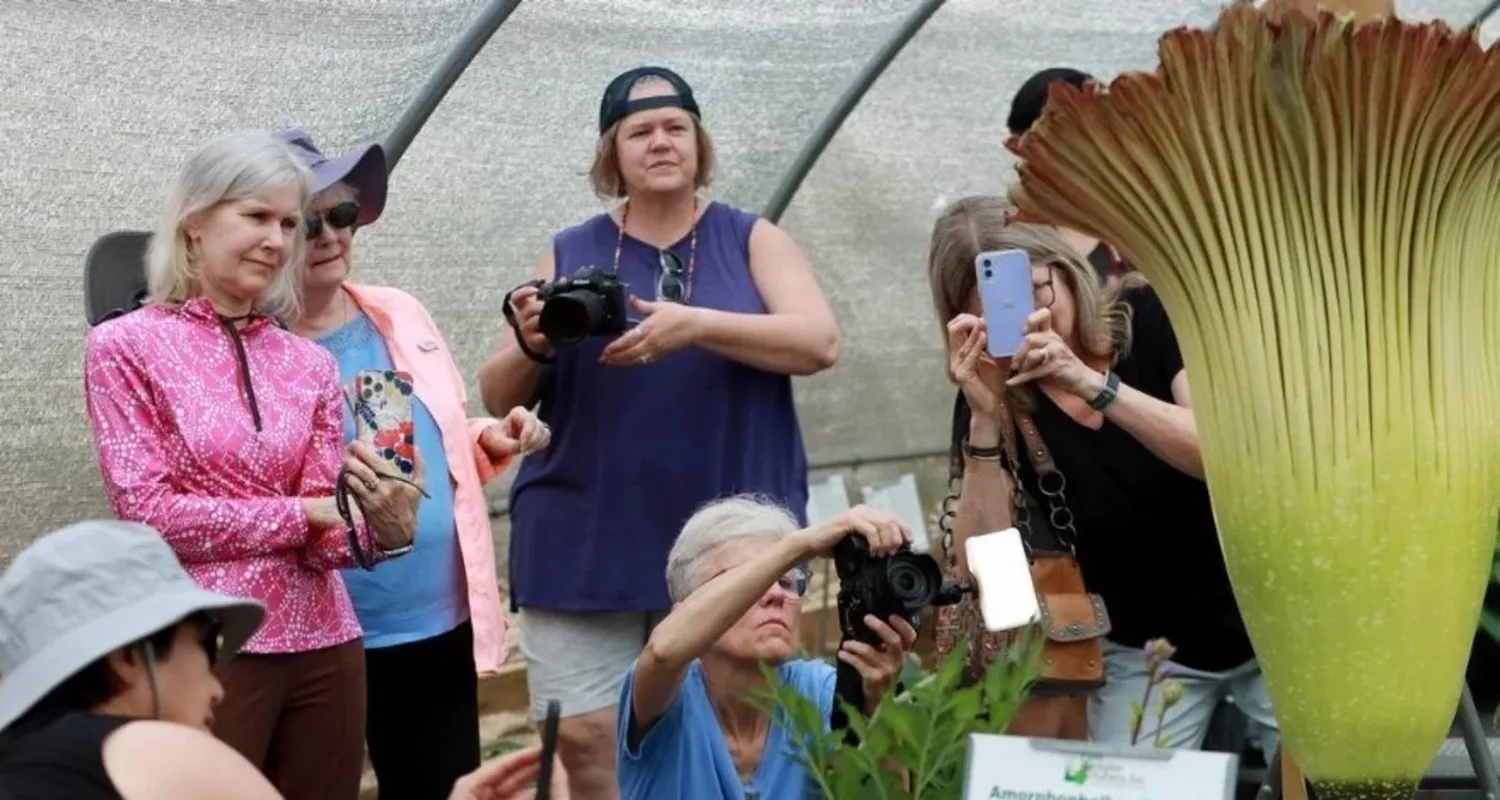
x: 179, y: 450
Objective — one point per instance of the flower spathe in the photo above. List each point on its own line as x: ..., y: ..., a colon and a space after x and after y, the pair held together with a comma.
x: 1317, y: 203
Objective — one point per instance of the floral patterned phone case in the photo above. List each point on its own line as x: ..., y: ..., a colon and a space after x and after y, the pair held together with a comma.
x: 383, y: 417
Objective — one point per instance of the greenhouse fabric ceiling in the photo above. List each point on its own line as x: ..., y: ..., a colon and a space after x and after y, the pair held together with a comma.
x: 103, y: 99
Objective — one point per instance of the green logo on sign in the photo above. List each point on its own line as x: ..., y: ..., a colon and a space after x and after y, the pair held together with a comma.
x: 1078, y: 774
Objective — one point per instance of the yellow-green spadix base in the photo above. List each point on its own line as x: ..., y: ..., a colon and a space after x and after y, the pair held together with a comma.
x: 1362, y: 602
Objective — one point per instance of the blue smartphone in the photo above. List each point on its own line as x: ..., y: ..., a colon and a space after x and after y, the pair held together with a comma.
x: 1006, y: 296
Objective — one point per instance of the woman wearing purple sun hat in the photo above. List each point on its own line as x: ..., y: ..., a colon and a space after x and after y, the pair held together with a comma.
x: 432, y: 621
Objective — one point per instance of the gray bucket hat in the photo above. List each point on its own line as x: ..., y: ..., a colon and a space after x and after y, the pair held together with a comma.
x: 79, y: 593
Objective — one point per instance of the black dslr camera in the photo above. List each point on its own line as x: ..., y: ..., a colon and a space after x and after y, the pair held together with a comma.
x: 901, y: 584
x: 590, y: 303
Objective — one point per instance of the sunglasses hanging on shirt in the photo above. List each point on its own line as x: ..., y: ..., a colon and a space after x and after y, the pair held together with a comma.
x: 671, y: 284
x: 339, y: 217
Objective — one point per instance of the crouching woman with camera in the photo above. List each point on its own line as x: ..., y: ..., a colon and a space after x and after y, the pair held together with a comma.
x: 666, y: 382
x: 688, y: 722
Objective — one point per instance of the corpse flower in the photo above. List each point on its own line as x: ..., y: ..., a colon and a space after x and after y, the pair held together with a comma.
x: 1317, y: 202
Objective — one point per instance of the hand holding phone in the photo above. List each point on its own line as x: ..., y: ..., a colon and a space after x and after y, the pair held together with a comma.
x: 382, y: 404
x: 1006, y: 297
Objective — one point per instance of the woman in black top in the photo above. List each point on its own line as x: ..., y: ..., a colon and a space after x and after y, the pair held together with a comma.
x: 107, y: 649
x: 1101, y: 373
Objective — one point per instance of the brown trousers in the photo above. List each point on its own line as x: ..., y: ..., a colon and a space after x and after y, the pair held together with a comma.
x: 299, y: 718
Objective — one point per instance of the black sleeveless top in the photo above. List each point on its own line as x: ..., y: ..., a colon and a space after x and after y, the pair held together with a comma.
x: 64, y: 760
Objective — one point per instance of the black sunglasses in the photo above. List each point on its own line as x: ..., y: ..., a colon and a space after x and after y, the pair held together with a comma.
x: 671, y: 285
x: 339, y: 217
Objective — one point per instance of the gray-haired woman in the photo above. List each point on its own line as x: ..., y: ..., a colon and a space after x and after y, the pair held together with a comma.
x: 688, y: 726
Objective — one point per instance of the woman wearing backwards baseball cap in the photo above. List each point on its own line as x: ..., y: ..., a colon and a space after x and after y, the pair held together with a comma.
x: 692, y: 403
x: 108, y: 650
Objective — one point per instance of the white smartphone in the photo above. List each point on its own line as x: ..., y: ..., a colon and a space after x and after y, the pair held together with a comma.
x: 1002, y: 573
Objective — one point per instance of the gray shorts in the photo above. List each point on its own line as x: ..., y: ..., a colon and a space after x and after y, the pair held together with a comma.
x: 580, y: 660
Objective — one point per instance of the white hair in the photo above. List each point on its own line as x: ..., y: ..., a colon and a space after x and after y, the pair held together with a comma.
x: 340, y: 192
x: 227, y: 169
x: 716, y: 524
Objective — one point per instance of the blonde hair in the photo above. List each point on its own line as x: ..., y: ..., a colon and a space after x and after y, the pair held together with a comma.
x: 227, y: 169
x: 979, y: 224
x: 604, y: 175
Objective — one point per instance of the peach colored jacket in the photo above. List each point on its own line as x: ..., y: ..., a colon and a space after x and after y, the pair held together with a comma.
x: 417, y: 347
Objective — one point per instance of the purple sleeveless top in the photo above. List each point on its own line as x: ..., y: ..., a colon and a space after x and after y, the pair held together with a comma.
x: 636, y: 450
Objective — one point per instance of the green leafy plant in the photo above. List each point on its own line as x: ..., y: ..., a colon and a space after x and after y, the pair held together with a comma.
x: 914, y: 746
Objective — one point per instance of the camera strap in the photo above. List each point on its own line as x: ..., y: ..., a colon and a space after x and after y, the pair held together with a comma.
x: 510, y: 317
x: 1050, y: 480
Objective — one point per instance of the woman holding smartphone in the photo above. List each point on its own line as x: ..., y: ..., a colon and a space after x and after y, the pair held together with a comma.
x: 1099, y: 375
x: 223, y: 431
x: 433, y: 621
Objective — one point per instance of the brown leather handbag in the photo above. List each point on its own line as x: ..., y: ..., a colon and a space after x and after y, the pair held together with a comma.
x: 1073, y: 620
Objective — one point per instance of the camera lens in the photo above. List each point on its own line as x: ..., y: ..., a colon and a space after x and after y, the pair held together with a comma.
x: 911, y: 586
x: 986, y: 264
x: 571, y: 317
x: 988, y: 274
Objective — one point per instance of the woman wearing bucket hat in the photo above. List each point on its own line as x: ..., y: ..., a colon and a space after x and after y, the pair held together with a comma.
x: 108, y: 648
x: 223, y: 431
x: 101, y: 634
x: 692, y: 403
x: 433, y: 620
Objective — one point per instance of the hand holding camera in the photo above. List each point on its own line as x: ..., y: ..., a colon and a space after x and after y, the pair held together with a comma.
x: 881, y: 533
x: 525, y: 309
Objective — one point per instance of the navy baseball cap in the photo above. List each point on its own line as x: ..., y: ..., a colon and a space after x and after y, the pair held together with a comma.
x: 618, y: 105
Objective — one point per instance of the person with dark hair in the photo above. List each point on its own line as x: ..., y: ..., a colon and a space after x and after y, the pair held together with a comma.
x: 1025, y: 109
x: 692, y: 402
x: 108, y: 650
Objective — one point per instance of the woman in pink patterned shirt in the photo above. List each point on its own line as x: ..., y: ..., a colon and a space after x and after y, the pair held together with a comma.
x: 223, y: 431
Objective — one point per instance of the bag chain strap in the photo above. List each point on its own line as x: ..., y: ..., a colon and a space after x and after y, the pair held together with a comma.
x: 1058, y: 513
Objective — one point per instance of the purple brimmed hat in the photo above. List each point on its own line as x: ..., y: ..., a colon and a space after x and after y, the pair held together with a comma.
x: 362, y: 168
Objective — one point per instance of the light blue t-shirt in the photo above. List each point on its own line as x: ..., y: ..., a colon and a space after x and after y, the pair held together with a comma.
x: 421, y: 594
x: 684, y: 757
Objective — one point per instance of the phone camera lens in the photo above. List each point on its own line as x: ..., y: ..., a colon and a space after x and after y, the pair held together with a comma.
x: 988, y: 274
x: 986, y: 263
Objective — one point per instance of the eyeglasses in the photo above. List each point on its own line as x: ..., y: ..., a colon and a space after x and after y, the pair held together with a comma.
x: 794, y: 582
x: 213, y: 640
x: 671, y: 284
x: 339, y: 217
x: 1045, y: 294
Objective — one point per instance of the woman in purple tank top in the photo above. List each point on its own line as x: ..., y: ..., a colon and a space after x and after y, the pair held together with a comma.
x: 693, y: 402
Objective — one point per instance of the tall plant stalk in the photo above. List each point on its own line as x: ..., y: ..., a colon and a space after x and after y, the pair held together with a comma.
x: 1317, y: 203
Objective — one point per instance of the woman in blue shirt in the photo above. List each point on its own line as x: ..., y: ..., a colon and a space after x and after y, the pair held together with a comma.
x: 688, y: 726
x: 431, y: 620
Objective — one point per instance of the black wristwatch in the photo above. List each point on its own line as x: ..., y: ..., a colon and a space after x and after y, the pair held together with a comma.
x: 980, y: 453
x: 1106, y: 395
